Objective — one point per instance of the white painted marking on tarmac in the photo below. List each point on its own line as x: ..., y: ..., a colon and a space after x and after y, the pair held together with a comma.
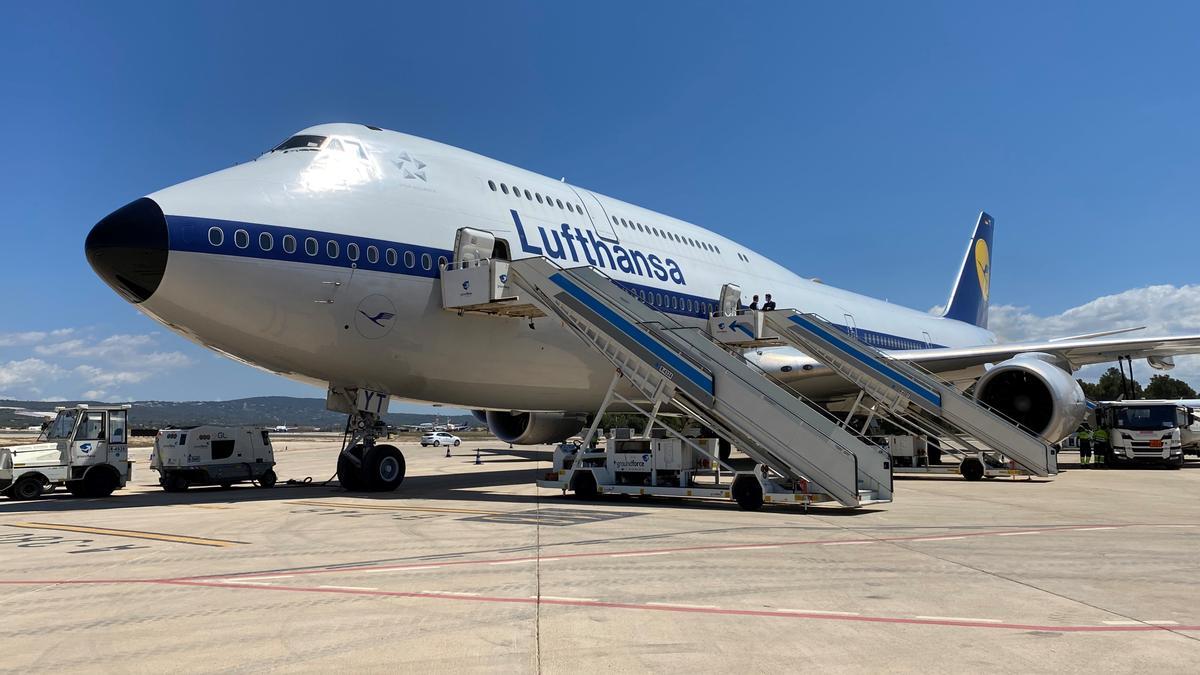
x: 1123, y: 623
x: 845, y: 543
x: 1014, y: 534
x: 755, y: 547
x: 818, y: 611
x: 959, y: 618
x: 244, y: 581
x: 563, y: 598
x: 939, y: 538
x: 1172, y: 526
x: 638, y: 555
x: 450, y: 593
x: 526, y: 560
x: 350, y: 588
x: 1093, y: 529
x: 1163, y: 623
x: 397, y: 569
x: 678, y: 604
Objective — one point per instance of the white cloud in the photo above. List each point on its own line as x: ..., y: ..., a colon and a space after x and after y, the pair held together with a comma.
x: 28, y: 373
x: 1163, y: 310
x: 34, y: 337
x: 82, y: 365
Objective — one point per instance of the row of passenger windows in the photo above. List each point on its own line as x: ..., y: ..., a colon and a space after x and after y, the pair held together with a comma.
x: 536, y: 196
x: 576, y: 208
x: 695, y: 243
x: 668, y: 301
x: 312, y: 247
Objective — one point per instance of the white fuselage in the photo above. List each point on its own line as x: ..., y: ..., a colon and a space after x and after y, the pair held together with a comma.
x: 323, y: 318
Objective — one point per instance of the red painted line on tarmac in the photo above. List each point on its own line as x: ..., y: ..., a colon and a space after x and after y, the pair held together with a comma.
x: 692, y: 609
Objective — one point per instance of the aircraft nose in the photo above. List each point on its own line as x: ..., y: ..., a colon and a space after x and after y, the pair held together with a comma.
x: 128, y: 249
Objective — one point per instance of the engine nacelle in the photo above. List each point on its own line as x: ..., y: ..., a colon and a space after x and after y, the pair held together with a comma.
x: 534, y: 428
x: 1033, y: 390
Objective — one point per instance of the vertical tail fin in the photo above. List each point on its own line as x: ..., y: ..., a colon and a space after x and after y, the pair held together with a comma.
x: 969, y: 299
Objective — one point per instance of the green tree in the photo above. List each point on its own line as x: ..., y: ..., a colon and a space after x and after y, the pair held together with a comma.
x: 1109, y: 388
x: 1165, y: 386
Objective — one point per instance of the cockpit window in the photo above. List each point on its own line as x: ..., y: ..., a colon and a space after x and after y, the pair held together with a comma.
x: 301, y: 142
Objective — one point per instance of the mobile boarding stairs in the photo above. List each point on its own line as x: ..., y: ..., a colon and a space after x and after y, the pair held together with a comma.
x: 803, y: 453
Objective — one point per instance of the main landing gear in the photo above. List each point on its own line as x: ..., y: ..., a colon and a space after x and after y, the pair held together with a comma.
x: 367, y: 466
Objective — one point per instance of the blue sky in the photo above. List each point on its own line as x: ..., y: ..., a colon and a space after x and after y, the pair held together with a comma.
x: 854, y: 142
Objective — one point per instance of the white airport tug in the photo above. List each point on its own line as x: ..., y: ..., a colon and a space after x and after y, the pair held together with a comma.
x: 213, y: 455
x: 85, y: 449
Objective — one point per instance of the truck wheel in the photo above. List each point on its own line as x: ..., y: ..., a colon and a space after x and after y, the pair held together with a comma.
x: 1175, y: 463
x: 268, y: 479
x: 348, y: 474
x: 100, y: 482
x: 585, y: 485
x: 173, y: 483
x: 384, y: 468
x: 747, y: 493
x: 26, y: 487
x: 971, y: 469
x: 724, y: 449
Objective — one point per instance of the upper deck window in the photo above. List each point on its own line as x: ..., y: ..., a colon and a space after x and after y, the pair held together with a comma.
x: 301, y: 142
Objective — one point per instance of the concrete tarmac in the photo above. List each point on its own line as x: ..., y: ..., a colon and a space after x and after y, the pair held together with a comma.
x: 471, y: 568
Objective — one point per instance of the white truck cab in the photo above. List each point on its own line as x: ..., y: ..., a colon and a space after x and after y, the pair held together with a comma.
x: 85, y: 449
x: 1147, y: 431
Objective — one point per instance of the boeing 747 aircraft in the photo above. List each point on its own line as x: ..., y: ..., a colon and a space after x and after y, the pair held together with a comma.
x: 320, y: 261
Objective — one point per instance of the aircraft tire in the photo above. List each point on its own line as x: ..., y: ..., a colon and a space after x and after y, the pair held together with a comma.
x: 384, y: 468
x: 348, y: 474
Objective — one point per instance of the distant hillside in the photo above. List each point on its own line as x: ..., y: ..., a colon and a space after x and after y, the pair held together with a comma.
x: 261, y: 410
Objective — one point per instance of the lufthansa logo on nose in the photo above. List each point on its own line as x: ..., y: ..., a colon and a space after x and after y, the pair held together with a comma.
x: 375, y: 316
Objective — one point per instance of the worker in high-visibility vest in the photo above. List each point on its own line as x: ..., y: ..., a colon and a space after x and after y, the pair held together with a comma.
x: 1100, y: 446
x: 1084, y: 436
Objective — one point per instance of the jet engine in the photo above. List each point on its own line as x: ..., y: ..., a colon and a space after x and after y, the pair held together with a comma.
x: 1033, y: 390
x: 534, y: 428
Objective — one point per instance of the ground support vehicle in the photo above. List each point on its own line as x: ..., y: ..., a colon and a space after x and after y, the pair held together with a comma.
x: 84, y: 449
x: 1146, y: 431
x: 213, y: 455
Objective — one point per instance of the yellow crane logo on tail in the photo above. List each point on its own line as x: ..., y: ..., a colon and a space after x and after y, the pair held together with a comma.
x: 983, y: 266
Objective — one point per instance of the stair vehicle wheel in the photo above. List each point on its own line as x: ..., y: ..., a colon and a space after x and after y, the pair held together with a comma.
x: 26, y: 487
x: 724, y: 449
x: 585, y: 485
x: 748, y: 493
x: 174, y: 483
x: 383, y: 469
x: 348, y: 473
x: 100, y: 481
x: 268, y: 479
x: 971, y: 469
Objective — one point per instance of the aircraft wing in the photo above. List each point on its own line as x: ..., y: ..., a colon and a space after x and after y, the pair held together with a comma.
x: 1076, y: 352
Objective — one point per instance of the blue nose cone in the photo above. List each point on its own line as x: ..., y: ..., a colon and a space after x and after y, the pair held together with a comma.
x: 128, y: 249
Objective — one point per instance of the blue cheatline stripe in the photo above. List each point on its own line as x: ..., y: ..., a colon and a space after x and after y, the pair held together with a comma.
x: 931, y: 396
x: 679, y: 365
x: 190, y: 233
